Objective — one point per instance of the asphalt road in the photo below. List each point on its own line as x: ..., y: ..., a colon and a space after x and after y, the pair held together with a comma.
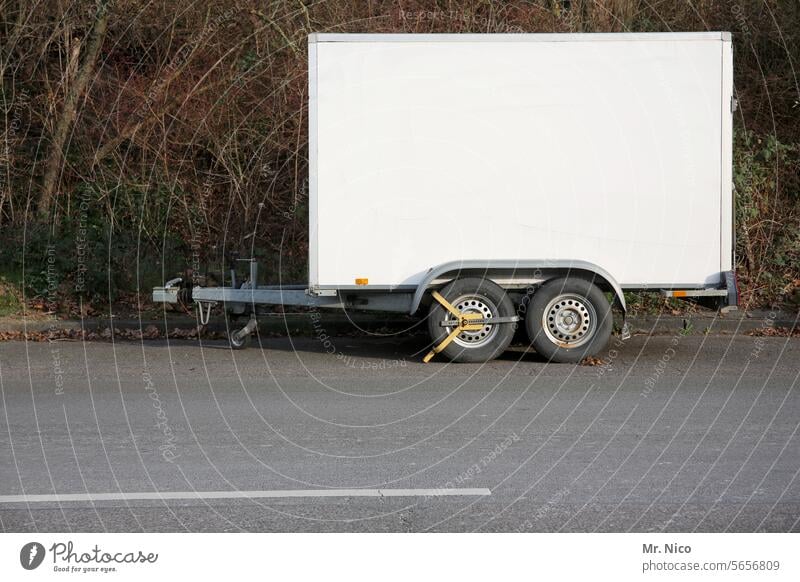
x: 695, y: 433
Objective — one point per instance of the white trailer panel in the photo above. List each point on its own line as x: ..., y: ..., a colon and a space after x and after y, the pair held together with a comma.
x: 607, y: 148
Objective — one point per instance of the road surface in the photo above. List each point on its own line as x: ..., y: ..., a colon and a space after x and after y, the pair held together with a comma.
x: 672, y: 433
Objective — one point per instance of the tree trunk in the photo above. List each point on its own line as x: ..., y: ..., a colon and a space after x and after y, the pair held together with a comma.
x: 74, y: 94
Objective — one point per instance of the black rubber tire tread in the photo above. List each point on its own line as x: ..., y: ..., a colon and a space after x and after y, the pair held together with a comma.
x: 243, y: 344
x: 484, y: 353
x: 551, y: 351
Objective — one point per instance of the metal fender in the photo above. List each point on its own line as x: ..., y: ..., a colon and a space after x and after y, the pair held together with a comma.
x: 479, y: 267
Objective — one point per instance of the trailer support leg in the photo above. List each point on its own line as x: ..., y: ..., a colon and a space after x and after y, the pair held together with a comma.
x: 251, y: 326
x: 464, y: 324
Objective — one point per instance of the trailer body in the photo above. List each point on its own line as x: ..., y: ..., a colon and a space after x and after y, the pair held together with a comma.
x: 614, y: 149
x: 496, y: 179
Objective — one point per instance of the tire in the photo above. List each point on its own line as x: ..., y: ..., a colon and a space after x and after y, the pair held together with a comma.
x: 569, y: 319
x: 238, y: 344
x: 473, y: 295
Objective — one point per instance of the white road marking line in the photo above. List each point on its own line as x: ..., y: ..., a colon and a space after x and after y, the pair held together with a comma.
x: 162, y: 495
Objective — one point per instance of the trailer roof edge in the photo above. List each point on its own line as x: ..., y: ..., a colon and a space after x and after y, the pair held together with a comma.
x: 317, y: 37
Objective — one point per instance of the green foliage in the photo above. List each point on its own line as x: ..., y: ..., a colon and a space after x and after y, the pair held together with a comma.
x: 654, y: 303
x: 91, y: 255
x: 767, y: 186
x: 10, y: 303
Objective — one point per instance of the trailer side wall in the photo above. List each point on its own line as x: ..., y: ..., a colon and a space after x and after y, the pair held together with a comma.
x: 612, y: 149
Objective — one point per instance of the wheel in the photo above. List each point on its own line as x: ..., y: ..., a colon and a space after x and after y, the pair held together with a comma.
x: 236, y: 342
x: 569, y: 319
x: 476, y: 297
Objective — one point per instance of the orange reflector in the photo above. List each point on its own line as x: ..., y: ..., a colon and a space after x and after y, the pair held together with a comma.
x: 362, y: 281
x: 679, y: 293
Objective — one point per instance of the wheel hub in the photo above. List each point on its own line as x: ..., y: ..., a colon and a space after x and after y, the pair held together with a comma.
x: 569, y: 320
x: 473, y: 307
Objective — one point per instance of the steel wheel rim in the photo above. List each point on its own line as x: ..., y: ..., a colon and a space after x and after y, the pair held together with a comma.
x: 569, y: 320
x: 473, y: 303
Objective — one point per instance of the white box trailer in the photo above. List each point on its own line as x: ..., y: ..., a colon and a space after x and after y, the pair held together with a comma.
x: 506, y: 177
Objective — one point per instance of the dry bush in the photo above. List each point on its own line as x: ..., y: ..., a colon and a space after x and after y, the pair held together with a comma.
x: 190, y: 134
